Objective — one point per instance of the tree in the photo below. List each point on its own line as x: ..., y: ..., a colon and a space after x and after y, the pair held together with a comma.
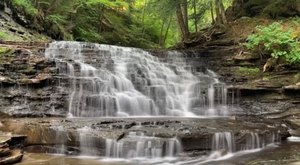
x: 220, y: 12
x: 167, y: 8
x: 182, y: 18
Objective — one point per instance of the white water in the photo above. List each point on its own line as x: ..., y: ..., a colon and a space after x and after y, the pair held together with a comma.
x: 105, y: 80
x: 137, y: 145
x: 224, y: 147
x: 60, y: 137
x: 87, y: 143
x: 223, y: 141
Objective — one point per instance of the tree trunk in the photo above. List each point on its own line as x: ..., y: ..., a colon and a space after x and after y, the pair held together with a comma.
x: 195, y: 13
x: 218, y: 12
x: 143, y: 18
x: 181, y: 22
x: 184, y: 5
x: 222, y: 10
x: 167, y: 31
x: 161, y: 33
x: 212, y: 12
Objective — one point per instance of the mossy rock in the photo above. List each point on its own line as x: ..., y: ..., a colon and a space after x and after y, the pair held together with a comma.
x: 5, y: 51
x: 29, y: 71
x: 248, y: 71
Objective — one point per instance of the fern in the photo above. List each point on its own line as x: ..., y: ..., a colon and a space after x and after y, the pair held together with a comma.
x: 273, y: 40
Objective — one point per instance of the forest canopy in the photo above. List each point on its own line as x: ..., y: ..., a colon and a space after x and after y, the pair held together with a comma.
x: 139, y: 23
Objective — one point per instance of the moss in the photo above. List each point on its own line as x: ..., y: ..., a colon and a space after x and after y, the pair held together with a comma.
x: 3, y: 35
x: 297, y: 78
x: 266, y: 78
x: 248, y: 71
x: 4, y: 51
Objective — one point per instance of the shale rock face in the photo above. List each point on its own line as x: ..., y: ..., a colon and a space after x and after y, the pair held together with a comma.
x: 27, y: 84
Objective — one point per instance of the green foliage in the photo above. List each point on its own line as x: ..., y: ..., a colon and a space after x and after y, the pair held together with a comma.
x: 273, y: 40
x: 4, y: 50
x: 109, y: 3
x: 248, y: 71
x: 3, y: 35
x: 139, y: 23
x: 26, y: 6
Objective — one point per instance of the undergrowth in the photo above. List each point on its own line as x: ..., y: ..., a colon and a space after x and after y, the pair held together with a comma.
x: 274, y: 41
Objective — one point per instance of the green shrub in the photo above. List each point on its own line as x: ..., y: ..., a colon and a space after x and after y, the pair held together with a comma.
x: 26, y: 6
x: 273, y: 40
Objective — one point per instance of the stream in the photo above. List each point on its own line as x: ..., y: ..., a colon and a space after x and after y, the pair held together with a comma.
x: 127, y: 106
x: 282, y: 154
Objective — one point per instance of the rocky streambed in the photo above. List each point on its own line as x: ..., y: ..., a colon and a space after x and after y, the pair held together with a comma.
x: 196, y: 135
x: 32, y: 86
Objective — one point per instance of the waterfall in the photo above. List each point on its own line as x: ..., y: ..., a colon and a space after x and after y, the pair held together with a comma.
x: 253, y: 141
x: 223, y: 141
x: 87, y: 143
x: 105, y: 80
x: 138, y: 145
x: 256, y: 141
x: 60, y: 138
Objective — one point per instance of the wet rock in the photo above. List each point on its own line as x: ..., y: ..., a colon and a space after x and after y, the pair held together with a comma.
x: 194, y: 134
x: 11, y: 148
x: 14, y: 157
x: 36, y: 95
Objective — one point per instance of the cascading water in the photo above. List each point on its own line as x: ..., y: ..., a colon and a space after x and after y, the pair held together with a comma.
x: 60, y: 135
x: 87, y: 144
x: 137, y: 145
x: 223, y: 143
x: 108, y: 80
x: 111, y: 81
